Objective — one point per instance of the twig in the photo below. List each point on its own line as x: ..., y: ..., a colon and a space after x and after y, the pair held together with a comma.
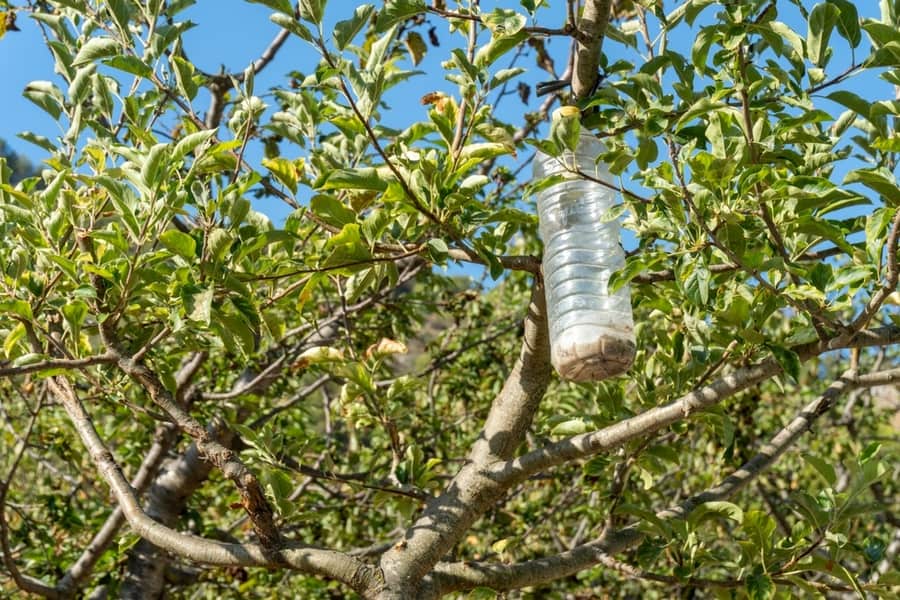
x: 58, y: 363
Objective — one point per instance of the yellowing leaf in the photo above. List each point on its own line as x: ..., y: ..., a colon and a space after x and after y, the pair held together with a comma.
x: 386, y: 347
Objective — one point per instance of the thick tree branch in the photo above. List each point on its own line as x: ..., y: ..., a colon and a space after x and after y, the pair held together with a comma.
x: 472, y: 491
x: 588, y: 444
x: 306, y: 559
x: 252, y: 497
x: 165, y: 437
x: 82, y: 568
x: 462, y: 576
x: 591, y: 30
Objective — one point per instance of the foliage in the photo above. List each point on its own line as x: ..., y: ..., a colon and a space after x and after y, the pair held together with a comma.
x: 353, y: 376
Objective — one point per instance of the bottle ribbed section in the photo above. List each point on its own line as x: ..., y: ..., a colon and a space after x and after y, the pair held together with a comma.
x: 591, y: 329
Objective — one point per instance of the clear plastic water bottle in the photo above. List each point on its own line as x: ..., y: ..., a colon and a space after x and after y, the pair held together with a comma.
x: 591, y: 329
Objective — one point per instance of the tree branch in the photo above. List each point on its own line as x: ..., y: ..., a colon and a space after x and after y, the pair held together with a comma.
x: 306, y: 559
x: 587, y: 444
x: 83, y: 567
x: 58, y: 363
x: 252, y: 497
x: 892, y: 274
x: 462, y: 576
x: 165, y: 437
x: 472, y: 491
x: 23, y: 582
x: 591, y: 30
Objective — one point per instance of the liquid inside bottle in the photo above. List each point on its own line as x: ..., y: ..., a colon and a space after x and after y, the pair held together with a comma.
x: 591, y: 329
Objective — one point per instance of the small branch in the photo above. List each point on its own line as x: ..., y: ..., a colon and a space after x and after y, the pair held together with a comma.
x: 568, y: 29
x: 23, y: 582
x: 373, y: 137
x: 669, y: 275
x: 221, y: 84
x: 892, y: 274
x: 83, y: 567
x: 59, y: 363
x: 835, y: 80
x: 242, y: 386
x: 531, y: 264
x: 701, y: 582
x: 610, y: 186
x: 463, y: 102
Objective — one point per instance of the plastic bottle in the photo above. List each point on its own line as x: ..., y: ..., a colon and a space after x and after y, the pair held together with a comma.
x: 591, y: 330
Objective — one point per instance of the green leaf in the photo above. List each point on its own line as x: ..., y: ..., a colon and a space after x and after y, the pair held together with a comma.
x: 881, y: 34
x: 823, y: 468
x: 16, y: 307
x: 155, y: 160
x: 821, y: 22
x: 12, y: 338
x: 886, y: 56
x: 67, y: 265
x: 348, y: 249
x: 848, y: 22
x: 701, y: 46
x: 395, y: 11
x: 759, y: 585
x: 38, y: 140
x: 880, y: 180
x: 365, y: 178
x: 852, y: 101
x: 787, y: 359
x: 47, y: 96
x: 565, y: 127
x: 868, y: 453
x: 438, y: 250
x: 473, y: 154
x: 331, y: 210
x: 184, y: 77
x: 284, y: 6
x: 497, y: 47
x: 571, y: 427
x: 199, y: 306
x: 80, y: 86
x: 129, y: 64
x: 312, y: 10
x: 279, y: 487
x: 790, y: 35
x: 504, y: 75
x: 876, y: 225
x: 416, y: 47
x: 345, y: 31
x: 503, y: 21
x: 292, y: 25
x: 696, y: 286
x: 96, y: 48
x: 708, y: 510
x: 190, y: 142
x: 284, y: 171
x: 180, y: 243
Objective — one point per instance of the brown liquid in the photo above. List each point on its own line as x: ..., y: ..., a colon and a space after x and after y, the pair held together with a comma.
x: 595, y: 361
